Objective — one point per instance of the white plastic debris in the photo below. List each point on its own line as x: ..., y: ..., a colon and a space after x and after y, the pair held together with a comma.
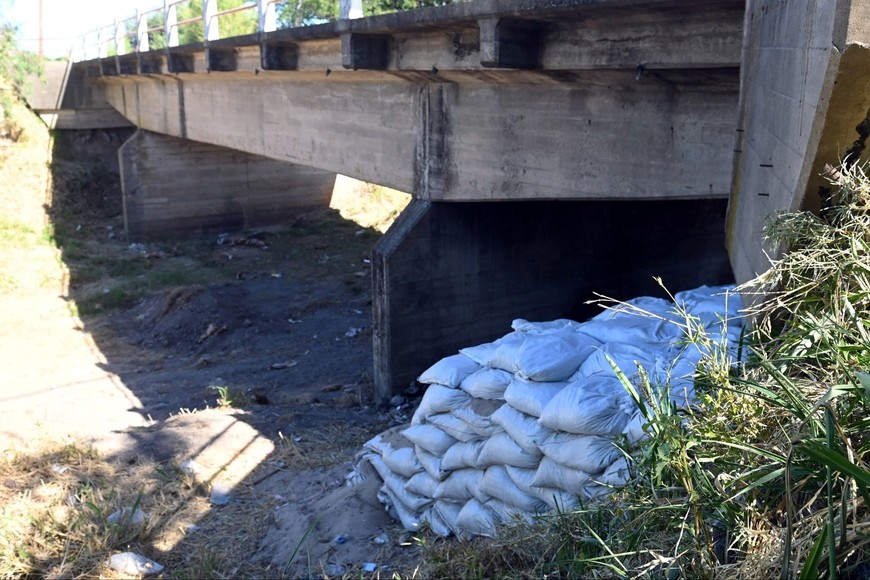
x: 134, y: 564
x: 131, y: 516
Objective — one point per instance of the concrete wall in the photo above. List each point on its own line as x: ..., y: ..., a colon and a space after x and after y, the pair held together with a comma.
x: 805, y: 90
x: 450, y: 275
x: 175, y: 188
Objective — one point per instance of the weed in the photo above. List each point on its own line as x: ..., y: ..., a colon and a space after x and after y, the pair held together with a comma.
x: 229, y: 397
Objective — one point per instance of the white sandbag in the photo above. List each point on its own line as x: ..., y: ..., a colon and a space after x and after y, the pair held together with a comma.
x: 487, y: 383
x: 631, y: 329
x: 531, y: 397
x: 475, y: 519
x: 640, y: 306
x: 462, y: 455
x: 500, y: 449
x: 431, y: 463
x: 441, y: 517
x: 679, y: 377
x: 422, y: 484
x: 625, y: 355
x: 712, y: 303
x: 555, y: 498
x: 496, y: 483
x: 414, y: 502
x: 593, y: 490
x: 456, y: 428
x: 595, y: 406
x: 548, y: 327
x: 523, y: 429
x: 398, y: 510
x: 505, y: 356
x: 430, y: 438
x: 438, y: 399
x: 403, y: 461
x: 590, y: 453
x: 508, y: 514
x: 635, y: 429
x: 553, y: 475
x: 449, y: 371
x: 482, y: 353
x: 460, y: 485
x: 616, y: 475
x: 554, y: 357
x: 476, y: 414
x: 377, y: 462
x: 387, y: 441
x: 435, y: 522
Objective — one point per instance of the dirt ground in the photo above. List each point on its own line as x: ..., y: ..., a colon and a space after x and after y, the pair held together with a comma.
x: 245, y: 359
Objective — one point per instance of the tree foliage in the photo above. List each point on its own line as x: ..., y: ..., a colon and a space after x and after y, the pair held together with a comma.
x: 236, y: 24
x: 303, y: 12
x: 16, y: 67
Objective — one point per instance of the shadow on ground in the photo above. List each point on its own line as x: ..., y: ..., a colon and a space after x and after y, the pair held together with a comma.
x: 248, y: 355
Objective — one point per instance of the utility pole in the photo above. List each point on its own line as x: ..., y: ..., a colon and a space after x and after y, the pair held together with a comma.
x: 41, y: 29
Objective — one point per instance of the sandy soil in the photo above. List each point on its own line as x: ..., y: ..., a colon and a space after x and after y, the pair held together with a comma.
x: 288, y: 339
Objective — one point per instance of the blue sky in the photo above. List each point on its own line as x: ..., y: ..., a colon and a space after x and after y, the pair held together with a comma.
x: 65, y: 20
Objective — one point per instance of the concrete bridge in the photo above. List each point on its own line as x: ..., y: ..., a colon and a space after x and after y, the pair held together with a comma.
x: 553, y: 147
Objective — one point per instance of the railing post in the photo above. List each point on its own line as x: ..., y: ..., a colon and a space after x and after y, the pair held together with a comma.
x: 210, y: 21
x: 170, y: 24
x: 102, y: 48
x: 120, y: 39
x: 142, y: 43
x: 266, y: 16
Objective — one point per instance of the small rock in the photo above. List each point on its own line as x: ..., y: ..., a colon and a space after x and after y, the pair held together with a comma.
x: 381, y: 539
x: 397, y: 400
x: 220, y: 494
x: 284, y: 365
x: 134, y: 564
x: 59, y: 469
x: 190, y: 467
x: 340, y: 539
x: 353, y: 332
x: 335, y: 570
x: 134, y: 517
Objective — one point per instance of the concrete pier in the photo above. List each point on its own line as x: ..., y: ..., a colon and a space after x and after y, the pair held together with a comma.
x: 450, y: 275
x: 175, y: 188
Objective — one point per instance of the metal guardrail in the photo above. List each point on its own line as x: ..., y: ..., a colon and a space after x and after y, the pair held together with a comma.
x: 132, y: 35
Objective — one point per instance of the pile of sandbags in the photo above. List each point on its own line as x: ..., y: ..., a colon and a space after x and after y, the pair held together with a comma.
x: 527, y: 424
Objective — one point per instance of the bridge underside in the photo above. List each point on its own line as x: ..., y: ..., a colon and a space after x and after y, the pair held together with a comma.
x: 604, y: 129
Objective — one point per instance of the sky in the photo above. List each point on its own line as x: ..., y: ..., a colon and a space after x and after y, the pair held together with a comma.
x: 65, y: 20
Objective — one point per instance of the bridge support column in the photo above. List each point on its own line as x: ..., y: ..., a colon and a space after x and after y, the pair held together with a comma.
x: 450, y: 275
x: 174, y: 188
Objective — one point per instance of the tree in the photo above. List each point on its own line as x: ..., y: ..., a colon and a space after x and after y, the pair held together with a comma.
x: 304, y: 12
x: 236, y: 24
x: 16, y: 67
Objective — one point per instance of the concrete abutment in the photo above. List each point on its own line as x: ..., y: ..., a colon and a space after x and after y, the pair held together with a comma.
x: 451, y: 275
x: 175, y: 188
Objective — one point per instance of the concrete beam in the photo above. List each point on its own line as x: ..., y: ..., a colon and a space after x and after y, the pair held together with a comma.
x: 450, y: 275
x: 175, y: 188
x: 804, y: 102
x: 507, y: 43
x: 365, y: 51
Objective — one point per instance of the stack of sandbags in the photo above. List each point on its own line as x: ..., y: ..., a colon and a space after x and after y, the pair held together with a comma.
x: 527, y: 424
